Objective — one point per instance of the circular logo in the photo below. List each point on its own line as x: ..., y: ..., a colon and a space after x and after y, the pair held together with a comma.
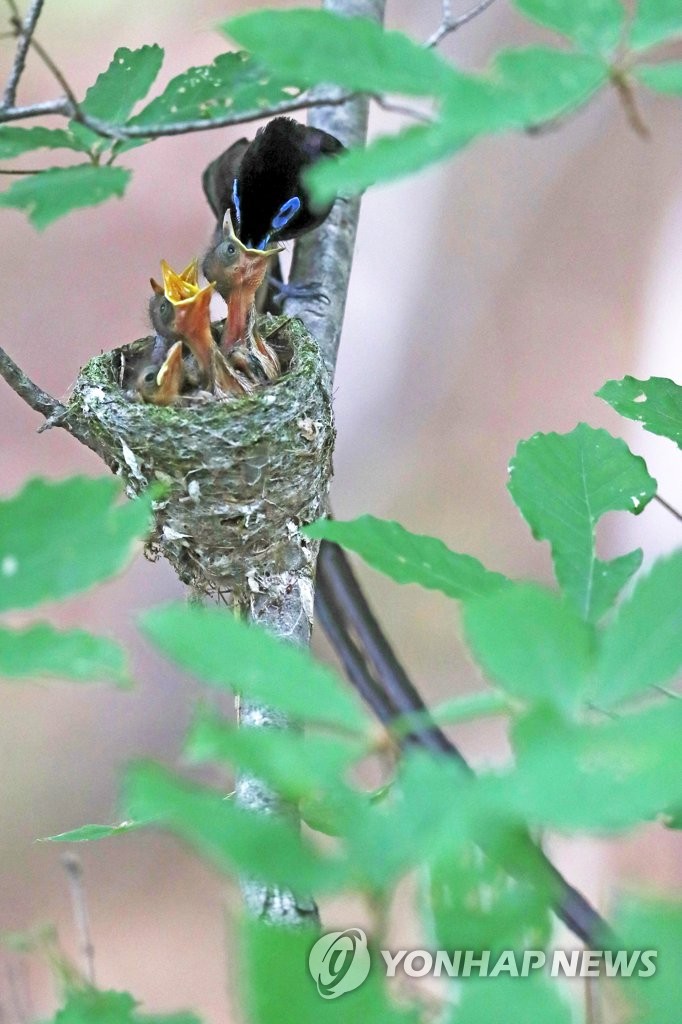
x: 339, y: 962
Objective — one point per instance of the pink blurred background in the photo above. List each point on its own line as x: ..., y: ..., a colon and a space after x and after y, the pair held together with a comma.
x: 491, y: 296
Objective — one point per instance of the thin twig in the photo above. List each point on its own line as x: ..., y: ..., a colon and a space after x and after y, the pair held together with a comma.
x: 450, y: 23
x: 16, y: 170
x: 79, y: 903
x: 23, y: 44
x: 60, y: 106
x: 668, y: 507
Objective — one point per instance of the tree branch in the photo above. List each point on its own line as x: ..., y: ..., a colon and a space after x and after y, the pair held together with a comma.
x: 450, y: 23
x: 27, y: 30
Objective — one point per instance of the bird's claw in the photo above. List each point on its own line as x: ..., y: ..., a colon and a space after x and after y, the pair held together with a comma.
x: 310, y: 290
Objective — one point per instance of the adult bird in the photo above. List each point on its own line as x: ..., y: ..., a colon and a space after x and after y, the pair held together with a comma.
x: 262, y: 185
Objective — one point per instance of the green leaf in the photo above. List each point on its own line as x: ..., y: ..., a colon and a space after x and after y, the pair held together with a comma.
x: 409, y: 557
x: 290, y: 984
x: 653, y: 926
x: 48, y: 528
x: 642, y: 647
x: 313, y: 47
x: 591, y: 24
x: 426, y: 814
x: 42, y: 650
x: 563, y: 484
x: 656, y: 403
x: 89, y: 1006
x: 48, y: 195
x: 228, y: 653
x: 234, y: 82
x: 661, y: 77
x: 294, y: 764
x: 385, y: 159
x: 533, y: 644
x: 522, y: 89
x: 112, y: 98
x: 476, y: 905
x: 15, y: 141
x: 89, y: 833
x: 533, y: 1000
x: 604, y: 778
x: 236, y: 841
x: 654, y: 22
x: 450, y: 712
x: 535, y: 84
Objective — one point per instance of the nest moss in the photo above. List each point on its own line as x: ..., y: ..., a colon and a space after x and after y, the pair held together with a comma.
x: 240, y: 476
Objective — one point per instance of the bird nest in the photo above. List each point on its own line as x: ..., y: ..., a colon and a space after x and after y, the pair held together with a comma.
x: 239, y: 476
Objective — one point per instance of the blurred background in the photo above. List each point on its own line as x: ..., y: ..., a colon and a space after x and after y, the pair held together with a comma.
x: 491, y: 297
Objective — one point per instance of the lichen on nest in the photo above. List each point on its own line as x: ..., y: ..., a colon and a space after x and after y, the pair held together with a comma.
x: 240, y: 475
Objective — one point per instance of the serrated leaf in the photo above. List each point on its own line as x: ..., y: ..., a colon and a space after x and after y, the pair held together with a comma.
x: 654, y: 926
x: 48, y: 527
x: 533, y: 644
x: 233, y: 82
x: 294, y: 764
x: 229, y: 654
x: 605, y: 777
x: 654, y: 22
x: 661, y: 77
x: 409, y: 557
x: 533, y: 999
x: 89, y: 1006
x: 48, y: 195
x: 313, y: 47
x: 291, y: 986
x: 15, y: 141
x: 235, y: 840
x: 42, y: 650
x: 523, y: 88
x: 563, y: 484
x: 656, y: 403
x: 591, y: 24
x: 642, y: 647
x: 90, y: 833
x: 112, y: 98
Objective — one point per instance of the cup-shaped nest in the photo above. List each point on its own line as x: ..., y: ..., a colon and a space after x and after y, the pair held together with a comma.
x: 240, y: 476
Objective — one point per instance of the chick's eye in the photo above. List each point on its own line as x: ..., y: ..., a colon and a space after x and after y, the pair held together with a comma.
x: 165, y: 307
x: 150, y: 377
x: 231, y: 249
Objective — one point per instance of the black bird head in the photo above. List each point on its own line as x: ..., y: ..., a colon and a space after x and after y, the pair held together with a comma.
x: 261, y: 183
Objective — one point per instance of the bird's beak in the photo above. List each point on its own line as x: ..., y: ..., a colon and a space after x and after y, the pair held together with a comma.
x: 179, y: 286
x: 191, y: 273
x: 193, y: 312
x: 230, y: 236
x: 169, y: 376
x: 156, y: 287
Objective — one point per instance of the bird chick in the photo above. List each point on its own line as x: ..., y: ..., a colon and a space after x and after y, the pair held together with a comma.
x: 162, y: 385
x: 186, y: 316
x: 238, y: 273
